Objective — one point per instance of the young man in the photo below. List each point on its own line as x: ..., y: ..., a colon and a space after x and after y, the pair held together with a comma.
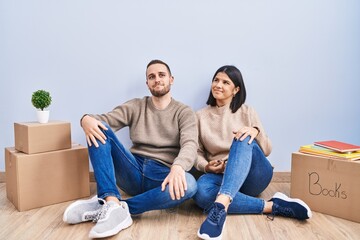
x: 164, y: 136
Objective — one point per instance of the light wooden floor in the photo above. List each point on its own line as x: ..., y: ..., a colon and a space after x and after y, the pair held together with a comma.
x: 180, y: 223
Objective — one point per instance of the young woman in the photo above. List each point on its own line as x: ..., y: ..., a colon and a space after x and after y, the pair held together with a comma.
x: 232, y: 152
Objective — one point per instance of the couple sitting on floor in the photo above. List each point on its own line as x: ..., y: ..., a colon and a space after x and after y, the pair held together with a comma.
x: 225, y: 141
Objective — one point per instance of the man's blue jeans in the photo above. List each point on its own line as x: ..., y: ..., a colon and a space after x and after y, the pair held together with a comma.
x: 138, y: 176
x: 247, y: 174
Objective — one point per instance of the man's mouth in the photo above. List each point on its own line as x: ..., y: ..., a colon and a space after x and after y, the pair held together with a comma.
x: 158, y: 85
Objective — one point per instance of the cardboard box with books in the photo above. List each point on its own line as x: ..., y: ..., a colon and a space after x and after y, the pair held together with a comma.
x: 328, y: 185
x: 41, y: 179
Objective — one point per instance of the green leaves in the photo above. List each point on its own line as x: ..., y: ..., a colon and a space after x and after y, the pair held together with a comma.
x: 41, y: 99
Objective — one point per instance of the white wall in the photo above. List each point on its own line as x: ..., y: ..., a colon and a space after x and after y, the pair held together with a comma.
x: 300, y: 61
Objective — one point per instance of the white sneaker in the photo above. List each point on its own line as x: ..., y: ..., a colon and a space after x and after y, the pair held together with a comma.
x: 111, y: 219
x: 82, y: 211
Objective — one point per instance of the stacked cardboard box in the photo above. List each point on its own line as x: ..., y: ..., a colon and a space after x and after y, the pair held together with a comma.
x: 44, y: 167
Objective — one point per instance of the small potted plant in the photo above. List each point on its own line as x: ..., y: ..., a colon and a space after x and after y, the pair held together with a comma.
x: 41, y: 99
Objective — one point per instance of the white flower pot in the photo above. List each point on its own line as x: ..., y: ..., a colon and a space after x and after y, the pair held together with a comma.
x: 43, y: 116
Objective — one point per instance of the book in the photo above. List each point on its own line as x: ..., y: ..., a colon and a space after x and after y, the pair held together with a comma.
x: 325, y: 152
x: 338, y: 146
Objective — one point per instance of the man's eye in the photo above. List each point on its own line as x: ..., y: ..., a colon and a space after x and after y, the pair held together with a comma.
x: 161, y: 75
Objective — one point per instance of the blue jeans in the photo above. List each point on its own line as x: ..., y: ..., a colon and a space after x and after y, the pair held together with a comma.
x: 137, y: 175
x: 247, y: 174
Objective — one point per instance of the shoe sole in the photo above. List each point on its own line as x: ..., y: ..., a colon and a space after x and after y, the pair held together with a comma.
x: 282, y: 196
x: 207, y: 237
x: 75, y: 204
x: 124, y: 224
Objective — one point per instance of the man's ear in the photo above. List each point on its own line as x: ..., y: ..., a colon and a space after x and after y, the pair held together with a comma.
x: 171, y: 80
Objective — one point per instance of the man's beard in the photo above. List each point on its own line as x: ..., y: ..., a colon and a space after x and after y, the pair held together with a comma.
x: 160, y: 93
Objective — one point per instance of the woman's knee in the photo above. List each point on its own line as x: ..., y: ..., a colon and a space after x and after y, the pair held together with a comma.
x: 244, y: 143
x: 206, y: 193
x: 202, y: 198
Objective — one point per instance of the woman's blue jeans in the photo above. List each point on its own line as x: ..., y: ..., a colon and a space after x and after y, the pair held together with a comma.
x: 248, y: 172
x: 141, y: 177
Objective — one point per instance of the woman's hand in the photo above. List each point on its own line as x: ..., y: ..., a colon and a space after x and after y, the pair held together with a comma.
x: 245, y: 132
x: 215, y: 166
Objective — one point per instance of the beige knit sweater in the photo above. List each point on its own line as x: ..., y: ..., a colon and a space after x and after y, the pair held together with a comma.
x: 169, y: 135
x: 216, y: 126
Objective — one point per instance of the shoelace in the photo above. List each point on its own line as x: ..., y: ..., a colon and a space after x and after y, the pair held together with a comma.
x: 286, y: 212
x: 214, y: 215
x: 101, y: 213
x: 92, y: 215
x: 282, y: 211
x: 270, y: 216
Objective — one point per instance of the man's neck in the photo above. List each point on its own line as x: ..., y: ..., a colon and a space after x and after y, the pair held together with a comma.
x: 162, y: 102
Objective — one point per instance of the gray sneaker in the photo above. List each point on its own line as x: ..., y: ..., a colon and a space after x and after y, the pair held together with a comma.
x: 82, y: 211
x: 111, y: 220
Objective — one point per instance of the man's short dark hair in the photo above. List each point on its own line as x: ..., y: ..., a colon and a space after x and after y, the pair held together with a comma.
x: 156, y: 61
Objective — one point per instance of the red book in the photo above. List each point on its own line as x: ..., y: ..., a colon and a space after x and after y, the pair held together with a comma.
x: 338, y: 146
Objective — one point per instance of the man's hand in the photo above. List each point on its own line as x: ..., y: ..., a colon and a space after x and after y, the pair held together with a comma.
x: 215, y: 166
x: 92, y: 130
x: 177, y: 182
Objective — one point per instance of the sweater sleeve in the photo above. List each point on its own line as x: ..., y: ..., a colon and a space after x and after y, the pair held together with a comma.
x: 262, y: 138
x: 188, y: 140
x: 119, y: 117
x: 201, y: 161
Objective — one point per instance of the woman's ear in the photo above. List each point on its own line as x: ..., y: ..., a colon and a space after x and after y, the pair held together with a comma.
x: 236, y: 90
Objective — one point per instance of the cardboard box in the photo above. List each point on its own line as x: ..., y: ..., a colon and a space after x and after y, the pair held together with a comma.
x: 34, y: 137
x: 327, y: 185
x: 37, y: 180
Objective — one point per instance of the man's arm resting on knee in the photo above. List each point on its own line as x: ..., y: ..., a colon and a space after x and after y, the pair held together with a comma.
x: 92, y: 130
x: 177, y: 182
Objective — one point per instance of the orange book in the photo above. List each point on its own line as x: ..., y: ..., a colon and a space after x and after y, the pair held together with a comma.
x: 338, y: 146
